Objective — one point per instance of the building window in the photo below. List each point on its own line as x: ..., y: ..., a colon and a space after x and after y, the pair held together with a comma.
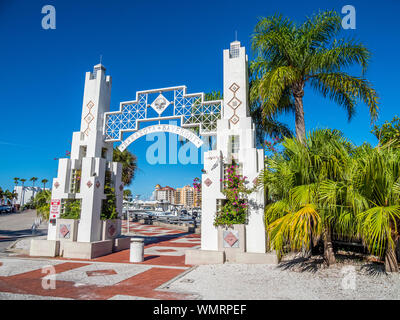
x: 103, y: 152
x: 83, y: 150
x: 235, y: 144
x: 234, y: 50
x: 75, y: 181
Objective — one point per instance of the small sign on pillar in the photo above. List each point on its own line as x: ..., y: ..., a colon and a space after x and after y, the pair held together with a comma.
x: 55, y: 208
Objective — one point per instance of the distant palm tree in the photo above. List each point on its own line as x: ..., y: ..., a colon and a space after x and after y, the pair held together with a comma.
x: 16, y: 181
x: 14, y: 195
x: 290, y: 56
x: 44, y: 181
x: 23, y: 191
x: 33, y: 179
x: 9, y: 196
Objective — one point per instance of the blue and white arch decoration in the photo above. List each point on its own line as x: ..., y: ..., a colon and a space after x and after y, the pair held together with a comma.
x: 191, y: 109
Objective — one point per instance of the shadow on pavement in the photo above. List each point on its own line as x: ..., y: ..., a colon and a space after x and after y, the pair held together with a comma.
x: 10, y: 235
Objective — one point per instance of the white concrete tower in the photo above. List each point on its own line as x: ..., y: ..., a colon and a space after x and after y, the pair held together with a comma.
x: 235, y: 141
x: 83, y: 175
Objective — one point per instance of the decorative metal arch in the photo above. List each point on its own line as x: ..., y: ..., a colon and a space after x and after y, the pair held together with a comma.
x: 191, y: 109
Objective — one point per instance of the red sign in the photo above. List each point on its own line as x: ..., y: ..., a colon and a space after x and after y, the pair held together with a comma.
x: 55, y: 207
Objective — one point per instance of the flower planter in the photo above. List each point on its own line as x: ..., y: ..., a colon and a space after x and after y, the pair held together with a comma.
x: 111, y: 229
x: 232, y: 240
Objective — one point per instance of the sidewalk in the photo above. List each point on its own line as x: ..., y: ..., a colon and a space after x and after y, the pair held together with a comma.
x: 108, y: 277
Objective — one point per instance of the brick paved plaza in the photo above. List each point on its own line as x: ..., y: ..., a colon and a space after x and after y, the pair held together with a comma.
x: 107, y: 277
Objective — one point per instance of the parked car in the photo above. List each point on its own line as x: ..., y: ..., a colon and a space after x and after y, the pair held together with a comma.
x: 5, y: 209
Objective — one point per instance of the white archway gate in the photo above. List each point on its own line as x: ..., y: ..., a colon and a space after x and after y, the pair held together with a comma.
x: 83, y: 175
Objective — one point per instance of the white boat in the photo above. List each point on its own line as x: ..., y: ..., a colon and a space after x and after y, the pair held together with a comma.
x: 158, y: 213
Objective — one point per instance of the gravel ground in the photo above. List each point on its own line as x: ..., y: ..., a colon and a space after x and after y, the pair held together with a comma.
x: 289, y: 281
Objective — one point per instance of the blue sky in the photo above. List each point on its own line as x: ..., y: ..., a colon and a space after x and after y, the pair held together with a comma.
x: 146, y: 45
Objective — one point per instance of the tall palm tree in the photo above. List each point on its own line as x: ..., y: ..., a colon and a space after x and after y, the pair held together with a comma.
x: 33, y: 179
x: 291, y: 56
x: 16, y: 181
x: 129, y: 165
x: 44, y: 181
x: 23, y: 191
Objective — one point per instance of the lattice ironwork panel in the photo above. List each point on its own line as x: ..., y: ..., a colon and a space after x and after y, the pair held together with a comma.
x: 191, y: 109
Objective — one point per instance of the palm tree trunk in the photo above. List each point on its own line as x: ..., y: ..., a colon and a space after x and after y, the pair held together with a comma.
x: 23, y: 195
x: 391, y: 260
x: 329, y: 255
x: 298, y: 94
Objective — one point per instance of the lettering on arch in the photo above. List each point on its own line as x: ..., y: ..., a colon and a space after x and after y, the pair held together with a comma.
x: 187, y: 134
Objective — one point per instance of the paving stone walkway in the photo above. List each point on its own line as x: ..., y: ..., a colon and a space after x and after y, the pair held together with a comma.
x: 107, y: 277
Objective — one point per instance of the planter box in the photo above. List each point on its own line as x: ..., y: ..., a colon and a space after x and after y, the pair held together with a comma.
x: 111, y: 229
x: 232, y: 240
x: 87, y: 250
x: 44, y: 248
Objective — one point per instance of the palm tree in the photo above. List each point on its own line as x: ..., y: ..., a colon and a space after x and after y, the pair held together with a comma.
x: 44, y: 181
x: 42, y: 204
x: 9, y: 196
x: 308, y: 199
x: 33, y: 179
x: 14, y: 195
x: 16, y: 181
x: 127, y: 194
x: 290, y: 56
x: 129, y: 165
x: 378, y: 181
x: 23, y: 191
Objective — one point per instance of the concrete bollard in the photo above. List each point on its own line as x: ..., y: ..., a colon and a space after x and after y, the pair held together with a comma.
x: 136, y: 253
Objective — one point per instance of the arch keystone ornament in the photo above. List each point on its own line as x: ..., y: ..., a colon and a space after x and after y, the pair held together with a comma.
x: 160, y: 104
x: 91, y: 159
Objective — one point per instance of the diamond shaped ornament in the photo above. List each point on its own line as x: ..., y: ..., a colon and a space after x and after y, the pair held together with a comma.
x: 64, y: 230
x: 234, y: 119
x: 160, y: 104
x: 234, y: 87
x: 90, y: 105
x: 89, y: 118
x: 111, y: 230
x: 89, y: 183
x: 231, y: 239
x: 208, y: 182
x: 234, y: 103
